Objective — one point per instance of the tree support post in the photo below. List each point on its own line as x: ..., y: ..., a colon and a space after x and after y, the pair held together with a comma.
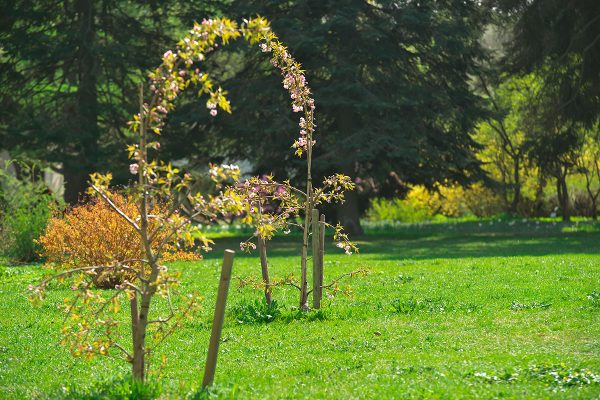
x: 217, y: 327
x: 316, y: 244
x: 321, y: 253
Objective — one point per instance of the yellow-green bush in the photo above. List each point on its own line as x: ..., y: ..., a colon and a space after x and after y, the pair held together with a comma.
x: 421, y: 204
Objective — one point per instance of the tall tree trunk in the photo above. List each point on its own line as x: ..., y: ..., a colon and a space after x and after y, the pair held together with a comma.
x: 76, y: 179
x: 349, y: 214
x: 517, y: 186
x: 539, y: 194
x: 563, y: 195
x: 86, y: 118
x: 593, y: 197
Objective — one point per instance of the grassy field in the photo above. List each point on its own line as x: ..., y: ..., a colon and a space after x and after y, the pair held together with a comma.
x: 446, y: 312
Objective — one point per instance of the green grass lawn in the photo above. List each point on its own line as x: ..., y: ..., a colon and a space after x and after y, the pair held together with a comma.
x: 444, y: 313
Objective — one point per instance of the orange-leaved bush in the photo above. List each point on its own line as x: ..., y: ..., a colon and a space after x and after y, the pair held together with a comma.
x: 94, y: 234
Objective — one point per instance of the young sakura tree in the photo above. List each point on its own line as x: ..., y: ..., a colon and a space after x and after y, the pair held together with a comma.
x: 167, y: 206
x: 178, y: 72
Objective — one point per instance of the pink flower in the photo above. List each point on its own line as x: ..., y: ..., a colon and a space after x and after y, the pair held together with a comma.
x: 213, y: 112
x: 161, y: 109
x: 133, y: 168
x: 296, y: 108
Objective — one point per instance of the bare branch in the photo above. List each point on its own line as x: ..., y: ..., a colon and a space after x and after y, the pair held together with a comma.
x: 117, y: 209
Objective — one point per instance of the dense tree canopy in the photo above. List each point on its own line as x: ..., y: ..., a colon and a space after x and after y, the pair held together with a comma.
x: 68, y: 72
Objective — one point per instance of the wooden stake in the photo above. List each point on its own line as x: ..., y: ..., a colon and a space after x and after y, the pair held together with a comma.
x: 315, y: 259
x: 264, y: 265
x: 321, y: 253
x: 217, y: 327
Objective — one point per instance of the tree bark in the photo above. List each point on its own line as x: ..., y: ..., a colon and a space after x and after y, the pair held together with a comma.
x: 349, y: 214
x: 86, y: 118
x: 76, y: 181
x: 514, y: 206
x: 563, y: 196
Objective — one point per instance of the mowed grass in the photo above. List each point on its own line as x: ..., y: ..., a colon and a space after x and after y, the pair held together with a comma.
x: 507, y: 314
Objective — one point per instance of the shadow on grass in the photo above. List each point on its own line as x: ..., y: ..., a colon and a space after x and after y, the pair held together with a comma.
x: 439, y: 245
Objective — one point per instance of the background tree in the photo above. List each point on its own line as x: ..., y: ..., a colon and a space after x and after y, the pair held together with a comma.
x: 68, y: 72
x: 503, y: 133
x: 553, y: 143
x: 588, y: 164
x: 561, y: 40
x: 392, y: 91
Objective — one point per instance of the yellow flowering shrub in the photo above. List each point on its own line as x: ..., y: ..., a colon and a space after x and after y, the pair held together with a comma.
x: 93, y: 234
x: 422, y: 204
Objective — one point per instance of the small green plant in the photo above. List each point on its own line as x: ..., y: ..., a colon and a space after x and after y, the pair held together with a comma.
x: 594, y: 298
x: 256, y: 312
x: 402, y: 279
x: 516, y: 306
x: 555, y: 376
x: 26, y: 207
x: 116, y: 389
x: 412, y: 305
x: 298, y: 315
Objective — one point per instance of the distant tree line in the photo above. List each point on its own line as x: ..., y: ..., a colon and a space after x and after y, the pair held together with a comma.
x: 408, y: 93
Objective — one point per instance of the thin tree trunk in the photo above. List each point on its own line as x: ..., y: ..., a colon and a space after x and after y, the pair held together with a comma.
x: 149, y: 288
x: 133, y: 303
x: 307, y: 215
x: 264, y: 265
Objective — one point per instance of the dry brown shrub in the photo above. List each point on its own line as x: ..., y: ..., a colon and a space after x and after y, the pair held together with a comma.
x: 93, y: 234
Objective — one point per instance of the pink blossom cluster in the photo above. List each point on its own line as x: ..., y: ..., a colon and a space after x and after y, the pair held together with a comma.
x: 295, y: 82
